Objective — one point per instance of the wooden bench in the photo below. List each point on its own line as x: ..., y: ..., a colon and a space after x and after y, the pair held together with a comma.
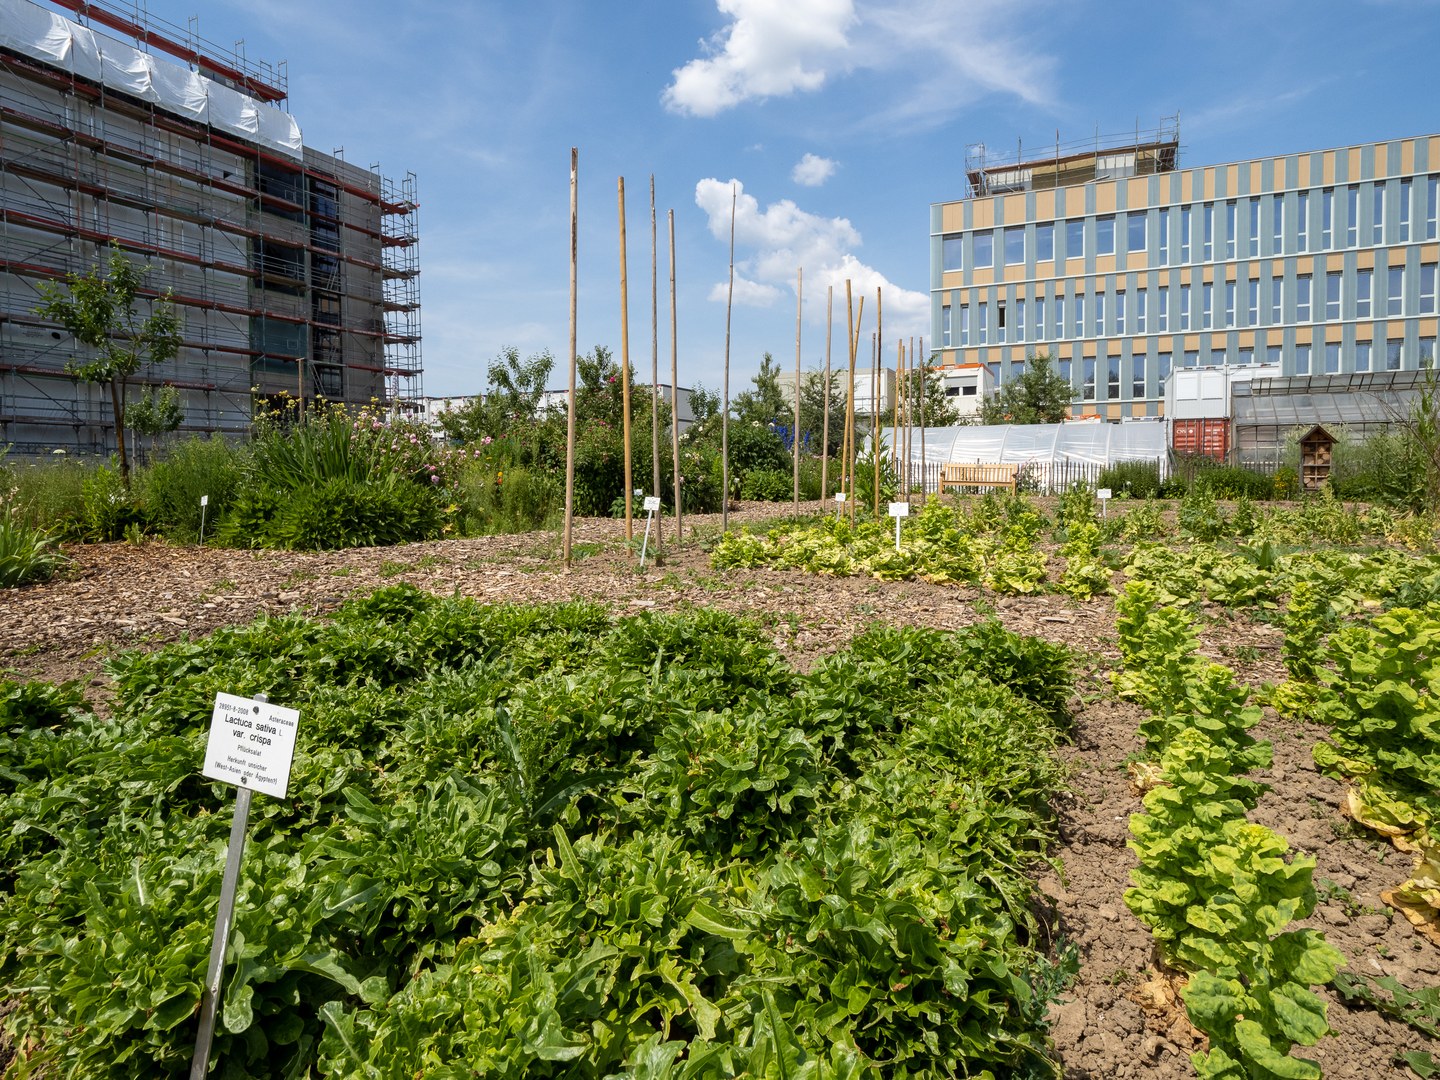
x: 956, y: 474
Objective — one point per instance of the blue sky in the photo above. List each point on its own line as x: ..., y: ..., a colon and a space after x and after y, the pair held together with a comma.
x: 840, y: 121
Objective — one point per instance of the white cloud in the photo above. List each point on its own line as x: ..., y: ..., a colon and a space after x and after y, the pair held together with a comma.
x: 747, y: 293
x: 772, y: 243
x: 945, y: 54
x: 768, y: 50
x: 812, y: 170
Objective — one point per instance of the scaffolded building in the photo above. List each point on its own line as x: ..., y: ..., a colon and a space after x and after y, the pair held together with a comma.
x: 291, y: 270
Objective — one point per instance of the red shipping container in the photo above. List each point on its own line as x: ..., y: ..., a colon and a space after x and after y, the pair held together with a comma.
x: 1208, y: 437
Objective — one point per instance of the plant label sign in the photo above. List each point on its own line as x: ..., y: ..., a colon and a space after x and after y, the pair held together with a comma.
x: 652, y: 504
x: 839, y: 496
x: 1102, y: 494
x: 899, y: 509
x: 251, y: 744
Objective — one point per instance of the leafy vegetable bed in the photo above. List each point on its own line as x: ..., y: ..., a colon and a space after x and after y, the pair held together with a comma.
x: 536, y: 841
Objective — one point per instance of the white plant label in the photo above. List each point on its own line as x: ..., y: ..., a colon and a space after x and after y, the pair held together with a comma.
x: 839, y: 496
x: 652, y: 503
x: 251, y: 744
x: 1103, y: 493
x: 204, y: 500
x: 899, y: 509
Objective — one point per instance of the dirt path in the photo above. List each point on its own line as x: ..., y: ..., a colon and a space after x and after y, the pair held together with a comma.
x: 1114, y: 1023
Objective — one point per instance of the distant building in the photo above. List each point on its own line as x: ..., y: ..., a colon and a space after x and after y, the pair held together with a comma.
x: 1125, y: 267
x: 867, y: 388
x: 292, y: 271
x: 557, y: 400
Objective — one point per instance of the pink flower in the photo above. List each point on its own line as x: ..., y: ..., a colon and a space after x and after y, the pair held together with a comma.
x: 434, y: 479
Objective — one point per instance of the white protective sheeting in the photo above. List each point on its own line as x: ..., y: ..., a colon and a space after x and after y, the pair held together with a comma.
x: 1085, y: 442
x: 30, y: 30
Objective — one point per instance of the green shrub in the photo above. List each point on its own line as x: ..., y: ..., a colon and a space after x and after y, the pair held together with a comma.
x: 27, y: 554
x: 170, y: 490
x: 767, y: 485
x: 50, y: 492
x: 336, y: 514
x: 1132, y: 479
x: 110, y: 507
x: 519, y: 498
x: 1234, y: 482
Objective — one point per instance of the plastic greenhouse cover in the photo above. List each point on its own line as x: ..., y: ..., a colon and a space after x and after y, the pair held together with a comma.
x: 51, y: 38
x: 1079, y: 441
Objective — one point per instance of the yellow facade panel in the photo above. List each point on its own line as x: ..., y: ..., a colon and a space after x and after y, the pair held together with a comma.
x: 1105, y: 197
x: 1044, y: 205
x: 1246, y: 339
x: 1277, y: 267
x: 1014, y: 209
x: 1302, y: 335
x: 1275, y: 337
x: 1365, y: 331
x: 1207, y: 183
x: 1015, y: 273
x: 1353, y: 163
x: 1335, y: 261
x: 1192, y: 342
x: 1303, y: 173
x: 1105, y: 264
x: 1365, y: 259
x: 1327, y: 167
x: 1231, y: 271
x: 1087, y: 350
x: 1207, y: 274
x: 1112, y: 347
x: 1429, y: 252
x: 1334, y: 333
x: 1165, y: 344
x: 952, y: 217
x: 1112, y: 412
x: 1427, y: 328
x: 983, y: 214
x: 1137, y: 193
x: 983, y: 277
x: 1255, y: 177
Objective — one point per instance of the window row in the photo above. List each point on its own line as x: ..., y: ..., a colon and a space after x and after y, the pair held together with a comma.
x: 1252, y: 226
x: 1327, y: 358
x: 1208, y: 306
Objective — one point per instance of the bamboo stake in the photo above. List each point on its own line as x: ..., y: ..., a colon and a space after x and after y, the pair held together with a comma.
x: 847, y: 470
x: 725, y: 387
x: 655, y: 375
x: 875, y: 421
x: 911, y: 356
x: 625, y: 370
x: 795, y: 432
x: 674, y: 385
x: 570, y: 420
x: 894, y: 417
x: 825, y: 424
x: 852, y: 334
x: 924, y: 462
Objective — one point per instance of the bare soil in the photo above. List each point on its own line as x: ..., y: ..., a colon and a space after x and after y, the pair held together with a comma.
x: 1119, y: 1019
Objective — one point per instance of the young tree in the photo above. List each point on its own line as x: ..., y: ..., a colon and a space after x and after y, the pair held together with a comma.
x: 940, y: 411
x: 153, y: 414
x: 766, y: 404
x: 1038, y: 396
x: 703, y: 403
x: 812, y: 410
x: 103, y: 312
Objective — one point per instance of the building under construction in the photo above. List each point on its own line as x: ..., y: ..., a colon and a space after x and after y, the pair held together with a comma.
x: 291, y: 270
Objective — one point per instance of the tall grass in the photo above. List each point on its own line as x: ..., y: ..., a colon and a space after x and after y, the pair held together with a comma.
x: 171, y: 489
x: 517, y: 499
x: 49, y: 493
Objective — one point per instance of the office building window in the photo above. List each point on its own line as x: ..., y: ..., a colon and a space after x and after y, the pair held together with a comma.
x: 1140, y: 298
x: 1042, y: 331
x: 1207, y: 305
x: 1403, y: 222
x: 1427, y: 288
x: 1231, y: 224
x: 1327, y: 218
x: 1105, y: 235
x: 984, y: 243
x: 1352, y: 215
x: 1392, y: 354
x: 1163, y: 364
x: 945, y: 326
x: 1395, y: 298
x: 1229, y: 304
x: 1277, y: 224
x: 1216, y: 357
x: 1190, y: 358
x: 1045, y: 242
x: 964, y: 324
x: 1120, y: 313
x: 1079, y: 315
x: 1364, y: 290
x: 1112, y: 379
x: 1207, y: 232
x: 1432, y: 206
x: 1162, y: 309
x: 1427, y: 351
x: 1137, y: 376
x: 1164, y: 220
x: 1000, y: 319
x: 1019, y: 320
x: 1063, y: 367
x: 1302, y: 359
x: 1075, y: 238
x: 1254, y: 244
x: 1302, y: 297
x: 1332, y: 357
x: 982, y: 318
x: 1245, y: 356
x: 952, y: 248
x: 1252, y: 302
x: 1277, y: 298
x: 1272, y: 354
x: 1135, y: 231
x: 1185, y: 227
x: 1332, y: 295
x: 1362, y: 356
x: 1014, y: 246
x: 1060, y: 316
x: 1184, y: 307
x: 1302, y: 221
x: 1099, y: 314
x: 1377, y: 215
x: 1087, y: 390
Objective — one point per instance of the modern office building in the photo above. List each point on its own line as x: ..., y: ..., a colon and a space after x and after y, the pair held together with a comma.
x: 1123, y: 266
x: 290, y: 269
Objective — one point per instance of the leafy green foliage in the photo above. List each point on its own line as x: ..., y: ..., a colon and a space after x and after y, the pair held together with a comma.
x: 540, y: 841
x: 27, y: 554
x: 1131, y: 479
x: 1038, y: 396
